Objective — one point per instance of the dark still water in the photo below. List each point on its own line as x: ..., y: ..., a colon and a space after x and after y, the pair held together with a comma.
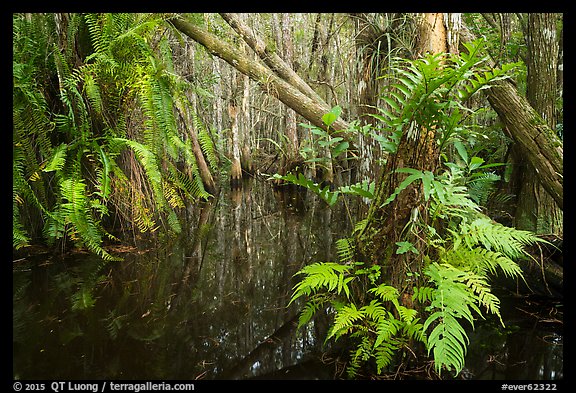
x: 211, y: 304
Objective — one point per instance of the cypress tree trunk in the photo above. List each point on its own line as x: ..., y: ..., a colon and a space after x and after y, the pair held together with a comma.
x: 236, y: 171
x: 536, y: 210
x: 377, y: 241
x: 311, y: 108
x: 203, y: 169
x: 538, y: 142
x: 291, y: 130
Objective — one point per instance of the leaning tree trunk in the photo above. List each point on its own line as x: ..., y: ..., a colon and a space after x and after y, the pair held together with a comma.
x: 311, y: 108
x: 536, y: 210
x: 538, y: 142
x: 376, y: 242
x: 543, y: 150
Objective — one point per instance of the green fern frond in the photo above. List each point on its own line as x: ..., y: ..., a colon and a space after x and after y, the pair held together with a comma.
x: 415, y: 330
x: 375, y: 310
x: 174, y: 222
x: 407, y: 315
x: 322, y: 275
x: 191, y: 185
x: 423, y: 294
x: 364, y: 189
x: 495, y: 236
x: 448, y: 341
x: 58, y: 159
x: 206, y: 143
x: 360, y: 226
x: 385, y: 292
x: 456, y: 294
x: 345, y: 249
x: 386, y: 329
x: 92, y: 91
x: 76, y: 211
x: 481, y: 261
x: 148, y: 160
x: 344, y: 321
x: 309, y: 310
x: 359, y: 356
x: 20, y: 238
x: 384, y: 355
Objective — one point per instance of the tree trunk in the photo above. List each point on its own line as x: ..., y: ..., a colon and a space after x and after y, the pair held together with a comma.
x: 270, y: 57
x: 246, y: 153
x: 291, y: 130
x: 539, y: 143
x: 536, y: 211
x: 236, y: 171
x: 376, y: 242
x: 309, y: 108
x: 203, y: 169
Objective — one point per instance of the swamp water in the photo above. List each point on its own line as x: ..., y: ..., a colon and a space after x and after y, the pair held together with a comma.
x: 211, y: 304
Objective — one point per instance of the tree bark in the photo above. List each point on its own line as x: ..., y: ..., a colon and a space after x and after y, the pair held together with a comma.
x: 203, y: 169
x: 536, y: 210
x: 309, y: 108
x: 377, y: 240
x: 290, y: 125
x: 236, y: 170
x: 539, y: 143
x: 270, y: 57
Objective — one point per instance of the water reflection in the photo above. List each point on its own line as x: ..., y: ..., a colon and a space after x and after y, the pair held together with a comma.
x: 530, y: 347
x: 211, y: 303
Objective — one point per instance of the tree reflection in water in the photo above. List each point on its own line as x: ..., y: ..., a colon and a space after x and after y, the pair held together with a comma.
x: 208, y: 304
x: 211, y: 303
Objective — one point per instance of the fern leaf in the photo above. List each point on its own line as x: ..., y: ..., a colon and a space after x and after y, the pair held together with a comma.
x: 346, y: 249
x: 344, y: 321
x: 308, y: 312
x: 448, y: 342
x: 206, y: 143
x: 58, y: 159
x: 495, y: 236
x: 384, y: 354
x: 320, y: 275
x: 385, y: 292
x: 385, y: 330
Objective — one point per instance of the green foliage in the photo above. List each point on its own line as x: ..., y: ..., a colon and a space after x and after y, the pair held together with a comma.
x: 95, y: 131
x: 379, y: 328
x: 456, y: 247
x: 427, y: 93
x: 332, y: 140
x: 456, y: 293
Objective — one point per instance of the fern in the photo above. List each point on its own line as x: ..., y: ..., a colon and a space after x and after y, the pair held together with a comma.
x: 480, y: 261
x: 76, y: 211
x: 344, y: 321
x: 330, y: 197
x: 451, y: 300
x: 426, y: 93
x: 364, y: 189
x: 346, y: 249
x: 322, y: 275
x: 93, y: 113
x: 492, y: 235
x: 456, y: 294
x: 206, y: 143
